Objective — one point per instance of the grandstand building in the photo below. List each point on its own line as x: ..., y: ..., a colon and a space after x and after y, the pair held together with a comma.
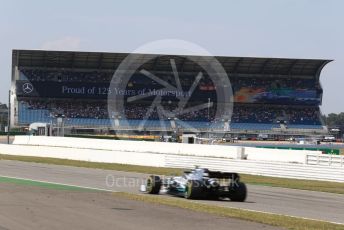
x: 271, y: 95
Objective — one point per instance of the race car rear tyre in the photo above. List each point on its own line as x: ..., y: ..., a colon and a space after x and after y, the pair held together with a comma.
x: 153, y: 184
x: 238, y: 192
x: 194, y: 190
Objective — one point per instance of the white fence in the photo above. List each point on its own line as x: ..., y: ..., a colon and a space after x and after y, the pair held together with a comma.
x: 326, y: 160
x: 274, y: 169
x: 259, y: 161
x: 231, y: 152
x: 92, y: 155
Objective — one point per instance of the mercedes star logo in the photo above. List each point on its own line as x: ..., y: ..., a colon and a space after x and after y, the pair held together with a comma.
x: 27, y: 88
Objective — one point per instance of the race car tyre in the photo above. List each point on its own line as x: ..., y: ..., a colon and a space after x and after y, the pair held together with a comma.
x: 153, y: 184
x: 194, y: 190
x: 238, y: 192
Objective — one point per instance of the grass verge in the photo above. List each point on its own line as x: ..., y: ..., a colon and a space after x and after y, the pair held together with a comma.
x: 264, y: 218
x: 87, y: 164
x: 320, y: 186
x: 41, y: 184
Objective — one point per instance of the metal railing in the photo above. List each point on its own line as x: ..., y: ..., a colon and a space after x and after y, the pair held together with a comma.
x: 325, y: 159
x: 264, y: 168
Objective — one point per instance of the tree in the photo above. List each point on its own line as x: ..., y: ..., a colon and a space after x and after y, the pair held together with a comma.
x: 335, y: 119
x: 3, y: 116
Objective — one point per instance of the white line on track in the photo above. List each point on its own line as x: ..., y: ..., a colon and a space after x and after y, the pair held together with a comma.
x: 108, y: 190
x: 55, y: 183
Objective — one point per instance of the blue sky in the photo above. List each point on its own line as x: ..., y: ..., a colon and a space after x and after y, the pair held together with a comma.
x: 267, y: 28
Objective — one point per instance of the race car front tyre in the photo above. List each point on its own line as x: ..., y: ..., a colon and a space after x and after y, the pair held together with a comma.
x: 194, y: 190
x: 153, y: 184
x: 238, y: 192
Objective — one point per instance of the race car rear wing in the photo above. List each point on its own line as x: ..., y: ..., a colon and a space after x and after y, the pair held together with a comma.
x: 224, y: 175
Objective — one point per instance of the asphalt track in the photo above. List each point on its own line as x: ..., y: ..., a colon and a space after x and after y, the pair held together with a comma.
x: 306, y: 204
x: 32, y: 207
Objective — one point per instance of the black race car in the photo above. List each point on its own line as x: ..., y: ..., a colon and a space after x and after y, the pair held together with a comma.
x: 199, y: 183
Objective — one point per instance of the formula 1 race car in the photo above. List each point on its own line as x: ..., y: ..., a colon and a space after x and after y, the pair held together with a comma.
x: 200, y: 183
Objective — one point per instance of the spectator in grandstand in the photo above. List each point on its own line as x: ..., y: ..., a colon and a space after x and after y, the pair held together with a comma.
x: 241, y: 113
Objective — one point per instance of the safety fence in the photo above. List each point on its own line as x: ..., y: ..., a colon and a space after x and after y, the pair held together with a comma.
x: 274, y: 169
x: 255, y: 167
x: 326, y: 160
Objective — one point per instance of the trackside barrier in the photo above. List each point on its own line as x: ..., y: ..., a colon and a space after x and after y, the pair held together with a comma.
x: 328, y: 160
x: 254, y: 167
x: 91, y: 155
x: 274, y: 169
x: 232, y: 152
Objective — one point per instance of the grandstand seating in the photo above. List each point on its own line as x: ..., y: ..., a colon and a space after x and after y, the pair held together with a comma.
x: 140, y: 123
x: 200, y: 125
x: 268, y: 94
x: 253, y: 126
x: 29, y: 115
x: 301, y: 126
x: 36, y: 75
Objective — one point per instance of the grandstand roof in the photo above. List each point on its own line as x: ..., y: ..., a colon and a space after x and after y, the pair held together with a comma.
x: 110, y: 61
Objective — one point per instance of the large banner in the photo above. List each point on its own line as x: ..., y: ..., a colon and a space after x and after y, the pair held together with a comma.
x: 102, y: 90
x: 277, y: 96
x: 202, y: 93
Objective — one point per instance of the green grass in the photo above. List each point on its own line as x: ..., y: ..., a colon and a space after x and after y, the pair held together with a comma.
x: 264, y: 218
x: 312, y: 185
x: 321, y: 186
x: 41, y: 184
x: 87, y: 164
